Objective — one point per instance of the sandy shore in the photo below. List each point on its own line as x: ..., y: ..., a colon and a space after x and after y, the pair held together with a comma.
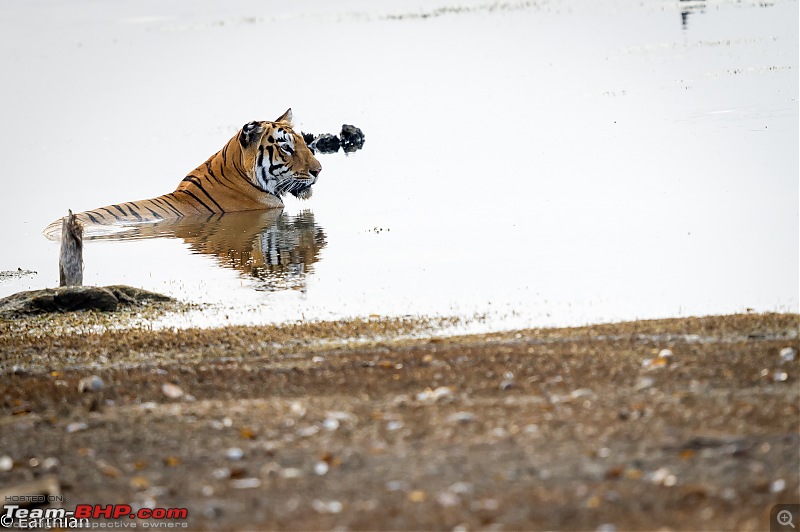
x: 303, y: 427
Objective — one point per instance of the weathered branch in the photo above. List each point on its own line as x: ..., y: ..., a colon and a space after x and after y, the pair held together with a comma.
x: 70, y: 260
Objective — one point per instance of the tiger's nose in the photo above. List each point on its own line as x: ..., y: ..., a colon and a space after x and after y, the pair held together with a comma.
x: 315, y: 171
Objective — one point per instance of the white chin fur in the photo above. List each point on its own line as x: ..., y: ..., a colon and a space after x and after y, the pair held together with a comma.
x: 305, y: 193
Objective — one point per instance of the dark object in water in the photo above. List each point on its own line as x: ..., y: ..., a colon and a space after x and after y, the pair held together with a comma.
x: 70, y: 259
x: 350, y: 139
x: 326, y: 143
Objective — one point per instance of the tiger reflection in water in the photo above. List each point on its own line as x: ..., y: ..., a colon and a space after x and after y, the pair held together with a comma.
x: 280, y: 254
x: 277, y: 249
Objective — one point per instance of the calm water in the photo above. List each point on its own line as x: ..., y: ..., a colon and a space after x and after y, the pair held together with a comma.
x: 532, y: 163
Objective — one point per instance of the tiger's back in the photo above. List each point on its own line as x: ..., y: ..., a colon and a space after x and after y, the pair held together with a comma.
x: 262, y: 162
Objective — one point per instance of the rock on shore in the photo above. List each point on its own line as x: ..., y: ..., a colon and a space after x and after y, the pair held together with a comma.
x: 74, y: 298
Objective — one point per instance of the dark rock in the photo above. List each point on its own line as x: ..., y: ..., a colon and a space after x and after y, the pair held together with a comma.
x: 71, y: 298
x: 137, y: 294
x: 352, y: 138
x: 122, y: 297
x: 326, y: 143
x: 44, y: 302
x: 75, y: 298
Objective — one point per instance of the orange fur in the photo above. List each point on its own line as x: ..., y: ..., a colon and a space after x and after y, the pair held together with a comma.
x: 263, y: 161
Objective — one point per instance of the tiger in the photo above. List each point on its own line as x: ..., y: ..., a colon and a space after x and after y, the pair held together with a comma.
x: 261, y: 163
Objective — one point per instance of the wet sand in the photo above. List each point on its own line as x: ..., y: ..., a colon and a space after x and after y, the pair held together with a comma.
x: 357, y: 425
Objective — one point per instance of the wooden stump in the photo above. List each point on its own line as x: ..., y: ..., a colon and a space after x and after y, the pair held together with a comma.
x: 70, y: 260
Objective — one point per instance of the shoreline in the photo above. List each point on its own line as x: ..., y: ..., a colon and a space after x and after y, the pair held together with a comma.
x: 572, y: 428
x: 126, y: 331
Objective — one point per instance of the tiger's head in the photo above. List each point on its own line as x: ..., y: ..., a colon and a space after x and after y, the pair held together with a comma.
x: 280, y: 160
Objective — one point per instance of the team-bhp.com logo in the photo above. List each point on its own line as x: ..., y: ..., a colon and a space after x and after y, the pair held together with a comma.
x: 90, y: 516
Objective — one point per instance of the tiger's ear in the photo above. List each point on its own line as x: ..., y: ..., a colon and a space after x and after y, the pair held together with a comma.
x: 251, y: 133
x: 286, y: 117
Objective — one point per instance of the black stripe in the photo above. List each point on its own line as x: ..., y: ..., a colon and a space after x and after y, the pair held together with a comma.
x: 237, y: 167
x: 243, y: 174
x: 222, y: 167
x: 155, y: 203
x: 179, y: 213
x: 120, y: 209
x: 175, y: 198
x: 197, y: 199
x: 198, y: 185
x: 195, y: 180
x: 154, y: 213
x: 210, y: 171
x: 274, y: 167
x: 222, y: 173
x: 92, y: 218
x: 218, y: 180
x: 226, y: 178
x: 136, y: 214
x: 112, y: 213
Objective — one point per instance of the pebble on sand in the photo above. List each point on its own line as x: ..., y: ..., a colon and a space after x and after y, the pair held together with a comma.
x: 787, y: 354
x: 321, y: 468
x: 461, y: 417
x: 76, y: 427
x: 90, y: 384
x: 780, y: 376
x: 643, y: 383
x: 327, y: 507
x: 50, y: 463
x: 171, y: 391
x: 432, y: 396
x: 245, y: 483
x: 448, y: 499
x: 394, y: 425
x: 298, y: 410
x: 291, y: 472
x: 234, y: 453
x: 777, y: 486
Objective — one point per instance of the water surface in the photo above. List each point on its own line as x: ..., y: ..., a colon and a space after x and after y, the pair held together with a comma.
x: 526, y: 163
